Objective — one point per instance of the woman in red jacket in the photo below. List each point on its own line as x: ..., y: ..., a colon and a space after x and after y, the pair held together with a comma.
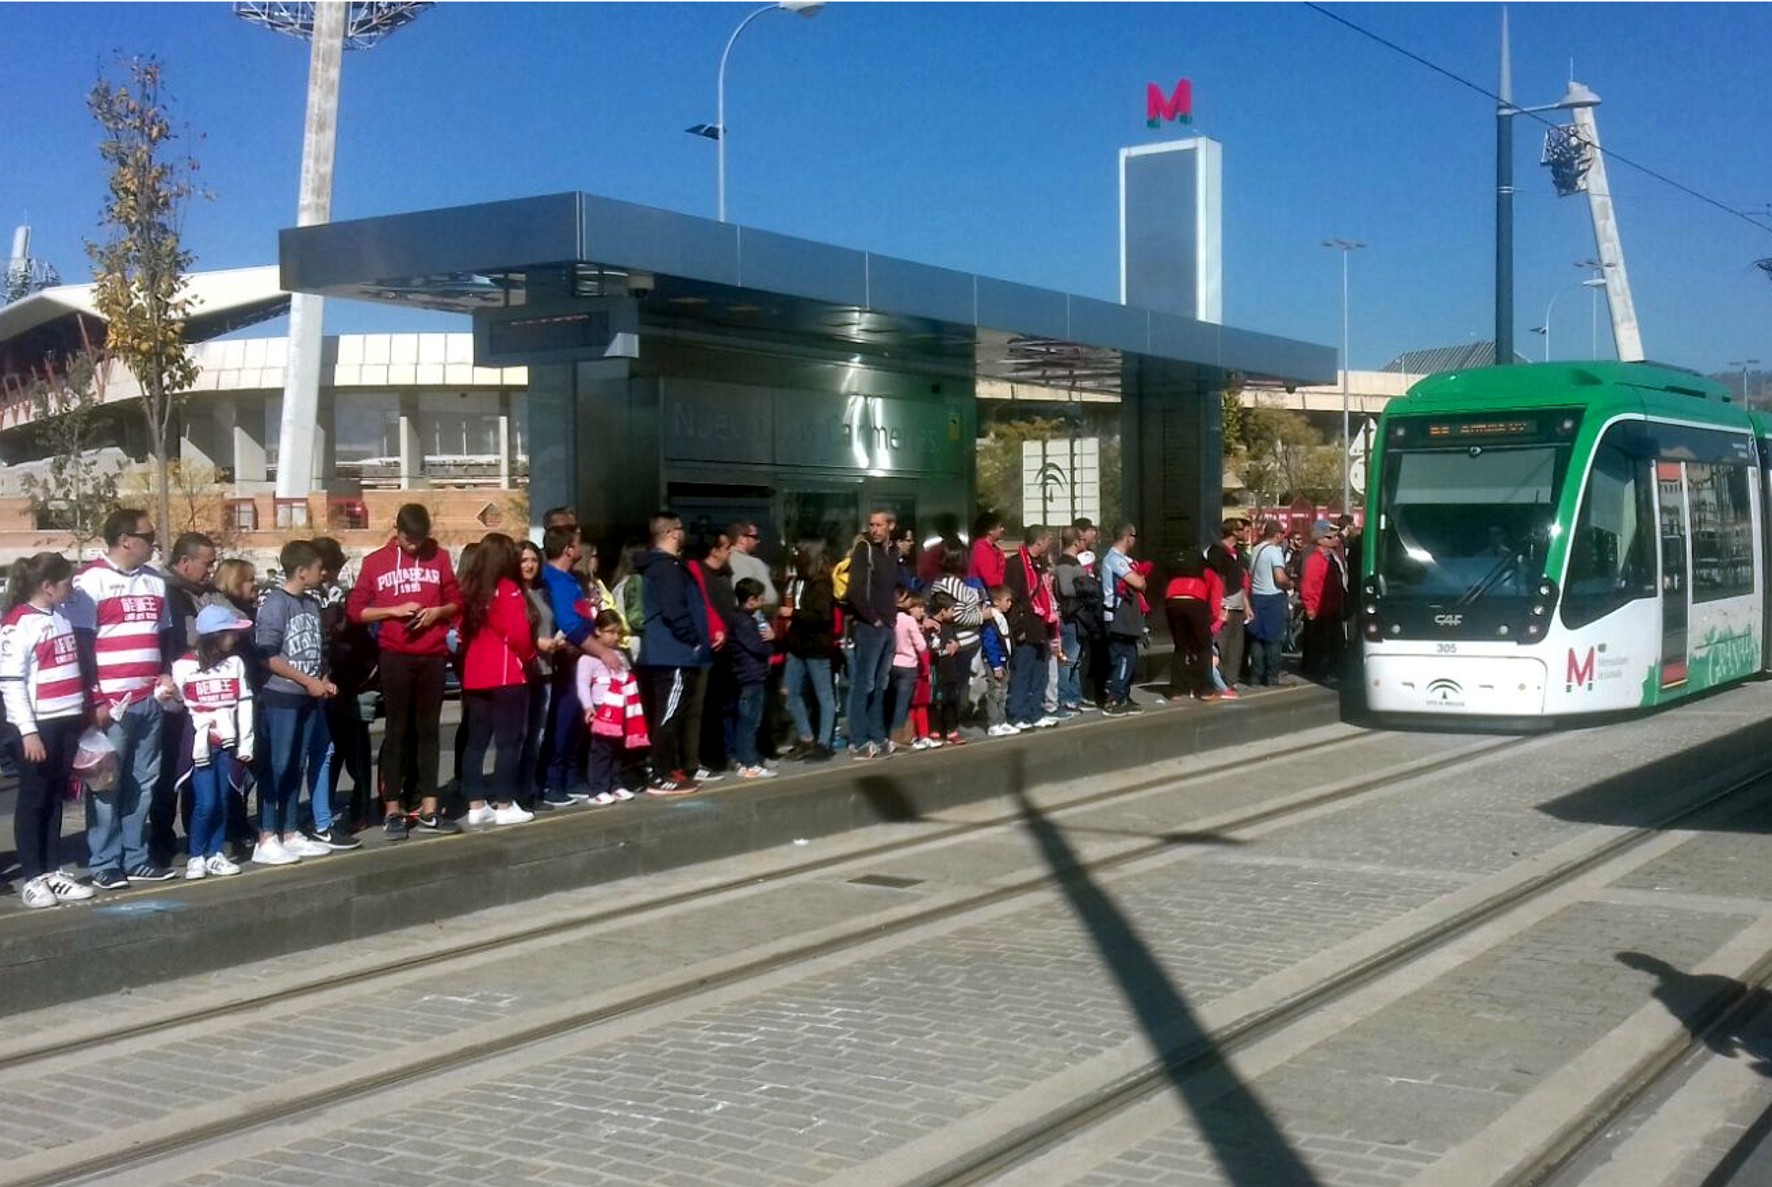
x: 498, y: 636
x: 1194, y: 603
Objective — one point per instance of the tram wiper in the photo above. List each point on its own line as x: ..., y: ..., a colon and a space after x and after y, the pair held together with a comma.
x: 1493, y: 577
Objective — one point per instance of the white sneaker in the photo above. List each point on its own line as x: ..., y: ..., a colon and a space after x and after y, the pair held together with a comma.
x: 703, y: 775
x: 485, y: 815
x: 272, y: 853
x: 220, y: 866
x: 195, y: 869
x: 1021, y: 727
x: 622, y: 793
x: 303, y: 846
x: 756, y: 772
x: 511, y: 814
x: 604, y: 798
x: 1002, y: 731
x: 36, y: 893
x: 1046, y: 723
x: 65, y: 889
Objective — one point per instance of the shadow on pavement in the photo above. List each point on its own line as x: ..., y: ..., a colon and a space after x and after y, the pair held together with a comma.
x: 888, y: 798
x: 1639, y: 798
x: 1236, y: 1126
x: 1701, y: 1000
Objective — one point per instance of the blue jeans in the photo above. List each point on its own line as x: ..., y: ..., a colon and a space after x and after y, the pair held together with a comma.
x: 1122, y: 665
x: 209, y: 804
x: 114, y: 818
x: 290, y: 743
x: 566, y: 723
x: 323, y: 767
x: 903, y: 687
x: 870, y: 672
x: 1070, y: 671
x: 750, y: 720
x: 818, y: 671
x: 529, y: 774
x: 1027, y: 682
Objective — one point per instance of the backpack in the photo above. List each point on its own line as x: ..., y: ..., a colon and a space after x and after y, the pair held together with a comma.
x: 633, y: 606
x: 840, y: 580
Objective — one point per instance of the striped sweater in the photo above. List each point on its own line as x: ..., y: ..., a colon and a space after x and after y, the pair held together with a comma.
x: 127, y: 615
x: 39, y: 668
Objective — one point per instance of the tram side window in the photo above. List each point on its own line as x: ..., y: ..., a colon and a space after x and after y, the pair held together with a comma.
x: 1612, y: 552
x: 1722, y: 531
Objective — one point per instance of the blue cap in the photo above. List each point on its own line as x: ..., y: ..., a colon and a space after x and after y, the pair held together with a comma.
x: 212, y: 620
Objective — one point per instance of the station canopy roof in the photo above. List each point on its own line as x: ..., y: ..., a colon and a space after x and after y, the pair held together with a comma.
x: 697, y: 275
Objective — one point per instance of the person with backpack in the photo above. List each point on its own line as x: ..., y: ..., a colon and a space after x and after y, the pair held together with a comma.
x: 1079, y: 618
x: 873, y: 584
x: 1269, y: 582
x: 1122, y: 587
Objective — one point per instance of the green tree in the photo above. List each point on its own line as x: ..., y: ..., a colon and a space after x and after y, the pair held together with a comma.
x: 1282, y: 457
x: 78, y: 489
x: 141, y: 266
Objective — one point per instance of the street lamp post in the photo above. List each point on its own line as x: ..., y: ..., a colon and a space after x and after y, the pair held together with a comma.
x: 1545, y: 329
x: 1345, y: 247
x: 1744, y: 364
x: 717, y: 130
x: 1576, y: 96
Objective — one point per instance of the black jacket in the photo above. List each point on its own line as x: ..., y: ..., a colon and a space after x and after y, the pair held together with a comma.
x: 675, y: 632
x: 873, y: 583
x: 812, y: 630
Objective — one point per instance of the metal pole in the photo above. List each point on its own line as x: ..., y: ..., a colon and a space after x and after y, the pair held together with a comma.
x: 1346, y: 462
x: 301, y: 390
x: 1345, y: 246
x: 720, y: 104
x: 1504, y: 209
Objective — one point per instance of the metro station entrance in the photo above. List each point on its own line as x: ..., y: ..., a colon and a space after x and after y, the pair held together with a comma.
x: 828, y: 510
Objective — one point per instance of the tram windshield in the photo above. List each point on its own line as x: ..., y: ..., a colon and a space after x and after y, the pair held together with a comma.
x: 1468, y: 524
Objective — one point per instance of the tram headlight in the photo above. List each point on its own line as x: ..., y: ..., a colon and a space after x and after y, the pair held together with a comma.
x: 1544, y: 600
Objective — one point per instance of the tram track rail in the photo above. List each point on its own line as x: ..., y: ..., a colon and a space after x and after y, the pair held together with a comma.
x: 1648, y: 1075
x: 295, y: 1103
x: 18, y: 1058
x: 1051, y: 1129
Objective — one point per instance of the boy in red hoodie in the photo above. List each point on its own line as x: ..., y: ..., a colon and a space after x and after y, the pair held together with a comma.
x: 407, y: 590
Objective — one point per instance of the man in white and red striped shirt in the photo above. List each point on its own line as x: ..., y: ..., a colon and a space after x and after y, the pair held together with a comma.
x: 120, y: 615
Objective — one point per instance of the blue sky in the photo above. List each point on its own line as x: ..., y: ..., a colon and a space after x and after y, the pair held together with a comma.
x: 985, y: 137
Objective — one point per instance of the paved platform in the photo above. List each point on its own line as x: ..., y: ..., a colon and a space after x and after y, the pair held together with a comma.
x: 139, y: 937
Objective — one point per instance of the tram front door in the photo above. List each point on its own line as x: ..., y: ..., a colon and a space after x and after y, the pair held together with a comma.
x: 1675, y: 572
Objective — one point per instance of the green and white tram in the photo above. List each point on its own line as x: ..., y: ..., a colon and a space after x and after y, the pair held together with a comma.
x: 1561, y: 539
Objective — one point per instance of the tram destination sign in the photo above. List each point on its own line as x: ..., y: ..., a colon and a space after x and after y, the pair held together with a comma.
x: 1535, y: 427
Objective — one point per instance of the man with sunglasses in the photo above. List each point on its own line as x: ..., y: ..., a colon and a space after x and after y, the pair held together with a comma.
x: 746, y: 563
x: 123, y: 624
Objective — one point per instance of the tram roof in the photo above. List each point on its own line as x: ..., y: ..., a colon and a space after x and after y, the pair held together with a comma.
x: 1549, y: 383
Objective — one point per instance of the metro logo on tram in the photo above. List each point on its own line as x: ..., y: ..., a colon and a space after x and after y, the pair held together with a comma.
x: 1582, y: 673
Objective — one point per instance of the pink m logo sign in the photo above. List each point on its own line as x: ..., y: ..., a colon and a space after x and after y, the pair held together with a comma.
x: 1177, y: 107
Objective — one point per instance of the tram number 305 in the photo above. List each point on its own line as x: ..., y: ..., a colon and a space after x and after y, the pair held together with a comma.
x: 1447, y: 648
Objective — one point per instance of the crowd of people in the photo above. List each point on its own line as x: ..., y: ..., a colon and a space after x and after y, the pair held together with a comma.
x: 215, y: 696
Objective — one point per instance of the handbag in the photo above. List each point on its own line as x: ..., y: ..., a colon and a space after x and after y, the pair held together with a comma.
x: 1128, y: 620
